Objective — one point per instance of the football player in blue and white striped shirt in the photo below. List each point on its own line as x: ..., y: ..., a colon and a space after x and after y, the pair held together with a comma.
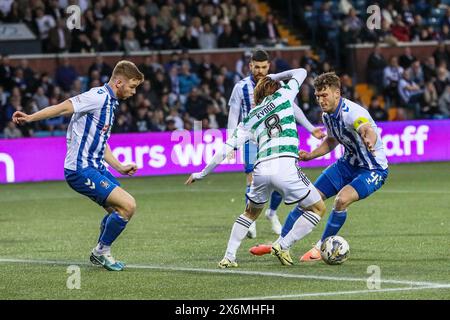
x: 87, y: 149
x: 362, y: 169
x: 241, y: 103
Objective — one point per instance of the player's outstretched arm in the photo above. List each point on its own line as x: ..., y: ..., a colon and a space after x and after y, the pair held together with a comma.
x: 325, y: 147
x: 62, y: 109
x: 239, y: 137
x: 128, y: 169
x: 298, y: 74
x: 303, y: 120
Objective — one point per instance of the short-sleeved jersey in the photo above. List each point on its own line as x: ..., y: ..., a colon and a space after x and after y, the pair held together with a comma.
x: 344, y: 124
x: 90, y: 128
x: 241, y: 100
x: 272, y: 124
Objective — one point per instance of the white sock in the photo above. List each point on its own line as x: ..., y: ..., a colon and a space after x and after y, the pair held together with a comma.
x: 101, y: 249
x: 270, y: 213
x: 318, y: 244
x: 278, y: 240
x: 303, y: 226
x: 238, y: 233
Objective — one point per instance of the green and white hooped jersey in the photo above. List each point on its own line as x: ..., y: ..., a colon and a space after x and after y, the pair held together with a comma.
x: 272, y: 124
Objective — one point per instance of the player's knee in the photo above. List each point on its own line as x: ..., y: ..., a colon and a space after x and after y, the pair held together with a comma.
x: 319, y: 208
x: 341, y: 202
x: 129, y: 208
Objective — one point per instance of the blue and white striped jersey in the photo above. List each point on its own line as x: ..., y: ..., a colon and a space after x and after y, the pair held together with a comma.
x: 90, y: 128
x: 344, y: 124
x: 241, y: 101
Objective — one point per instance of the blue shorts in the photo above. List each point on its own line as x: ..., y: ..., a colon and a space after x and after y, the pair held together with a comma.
x: 342, y: 173
x: 250, y: 152
x: 93, y: 183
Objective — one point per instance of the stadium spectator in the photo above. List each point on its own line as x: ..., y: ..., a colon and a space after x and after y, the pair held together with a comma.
x: 65, y: 74
x: 59, y: 38
x: 430, y: 107
x: 411, y: 95
x: 391, y: 76
x: 375, y: 67
x: 444, y: 102
x: 377, y: 112
x: 207, y: 39
x: 228, y: 38
x: 406, y: 59
x: 11, y: 131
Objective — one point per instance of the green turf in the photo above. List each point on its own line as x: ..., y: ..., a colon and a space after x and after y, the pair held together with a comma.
x: 404, y: 229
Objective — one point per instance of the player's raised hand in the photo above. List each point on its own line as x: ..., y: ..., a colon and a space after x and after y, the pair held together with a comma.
x: 317, y: 133
x: 20, y: 117
x: 129, y: 169
x: 304, y: 155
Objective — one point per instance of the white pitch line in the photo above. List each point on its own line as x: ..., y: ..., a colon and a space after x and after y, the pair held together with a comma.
x: 230, y: 271
x: 338, y: 293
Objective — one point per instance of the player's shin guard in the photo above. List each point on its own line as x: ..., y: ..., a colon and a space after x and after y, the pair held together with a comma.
x: 102, y: 226
x: 290, y: 220
x: 334, y: 224
x: 275, y: 200
x: 302, y: 227
x: 114, y: 226
x: 238, y: 233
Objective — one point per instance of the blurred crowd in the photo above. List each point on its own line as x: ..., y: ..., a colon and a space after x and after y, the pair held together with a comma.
x: 135, y: 25
x: 332, y: 25
x: 184, y: 90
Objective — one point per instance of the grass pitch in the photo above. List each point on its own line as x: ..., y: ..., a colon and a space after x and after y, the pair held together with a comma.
x: 179, y: 233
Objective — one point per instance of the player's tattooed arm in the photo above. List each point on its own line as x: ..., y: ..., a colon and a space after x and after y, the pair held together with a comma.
x: 325, y: 147
x: 368, y: 136
x: 62, y: 109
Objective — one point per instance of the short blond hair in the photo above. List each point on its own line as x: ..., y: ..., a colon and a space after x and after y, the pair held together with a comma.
x: 128, y: 70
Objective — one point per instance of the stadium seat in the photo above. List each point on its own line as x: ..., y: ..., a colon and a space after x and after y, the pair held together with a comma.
x: 392, y: 113
x: 365, y: 92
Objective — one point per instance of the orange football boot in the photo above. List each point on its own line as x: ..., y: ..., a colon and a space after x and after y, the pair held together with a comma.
x: 311, y: 255
x: 261, y: 249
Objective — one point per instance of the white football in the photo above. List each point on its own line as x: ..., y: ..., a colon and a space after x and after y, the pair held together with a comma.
x: 334, y: 250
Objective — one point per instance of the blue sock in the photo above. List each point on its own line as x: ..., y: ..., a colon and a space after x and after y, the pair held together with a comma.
x: 102, y: 226
x: 290, y: 220
x: 334, y: 224
x: 275, y: 200
x: 246, y: 191
x: 113, y: 228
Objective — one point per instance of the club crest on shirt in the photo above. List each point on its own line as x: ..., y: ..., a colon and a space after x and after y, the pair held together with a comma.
x: 105, y: 128
x: 104, y: 184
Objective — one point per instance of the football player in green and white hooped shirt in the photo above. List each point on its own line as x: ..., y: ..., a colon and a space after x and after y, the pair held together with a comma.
x: 271, y: 124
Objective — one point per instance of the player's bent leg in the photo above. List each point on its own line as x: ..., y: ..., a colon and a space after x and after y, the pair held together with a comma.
x: 249, y: 179
x: 271, y: 212
x: 239, y: 232
x: 124, y: 207
x: 336, y: 220
x: 309, y: 217
x: 122, y: 202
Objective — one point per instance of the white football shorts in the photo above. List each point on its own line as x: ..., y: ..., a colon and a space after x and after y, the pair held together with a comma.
x: 285, y: 176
